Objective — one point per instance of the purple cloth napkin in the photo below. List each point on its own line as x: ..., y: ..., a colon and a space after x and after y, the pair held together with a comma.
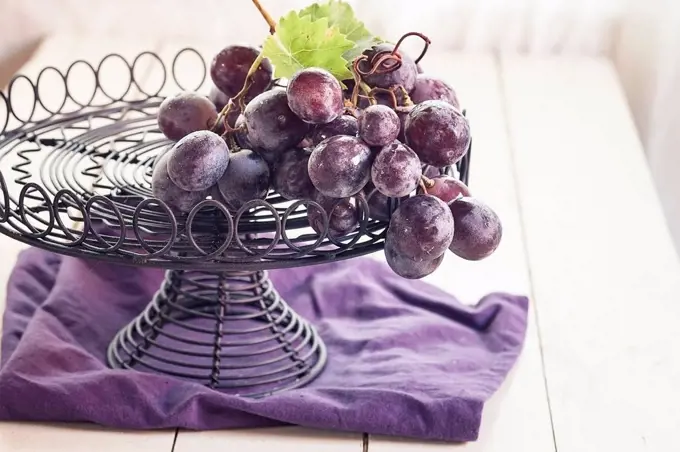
x: 405, y: 358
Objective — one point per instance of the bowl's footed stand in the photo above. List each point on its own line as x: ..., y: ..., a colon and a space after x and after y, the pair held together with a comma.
x: 230, y: 331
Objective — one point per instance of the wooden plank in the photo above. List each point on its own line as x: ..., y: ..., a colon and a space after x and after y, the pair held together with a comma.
x: 60, y: 51
x: 605, y: 274
x: 516, y: 418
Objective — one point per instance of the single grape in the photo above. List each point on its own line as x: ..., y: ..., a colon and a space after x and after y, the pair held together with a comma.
x: 230, y: 67
x: 446, y: 188
x: 343, y: 216
x: 432, y: 88
x: 396, y: 170
x: 241, y: 134
x: 438, y: 132
x: 340, y: 166
x: 315, y: 96
x: 478, y: 229
x: 421, y: 228
x: 164, y: 188
x: 291, y: 176
x: 198, y: 160
x: 246, y: 178
x: 430, y: 171
x: 378, y: 125
x: 183, y: 113
x: 218, y: 98
x: 378, y: 204
x: 405, y: 75
x: 271, y: 124
x: 342, y: 125
x: 407, y: 267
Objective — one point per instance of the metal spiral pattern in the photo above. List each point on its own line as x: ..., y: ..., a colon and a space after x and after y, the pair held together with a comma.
x: 75, y: 178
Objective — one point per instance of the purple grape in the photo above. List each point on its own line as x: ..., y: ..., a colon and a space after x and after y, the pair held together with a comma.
x: 421, y: 228
x: 446, y: 188
x: 378, y: 204
x: 165, y: 189
x: 431, y: 171
x: 246, y: 178
x: 478, y: 229
x: 431, y: 88
x: 315, y: 96
x: 342, y: 125
x: 241, y: 134
x: 438, y: 132
x: 340, y: 166
x: 343, y: 218
x: 378, y: 125
x: 271, y: 124
x: 403, y: 114
x: 184, y: 113
x: 291, y: 177
x: 405, y: 75
x: 230, y: 67
x: 407, y: 267
x: 198, y: 160
x: 218, y: 98
x: 396, y: 170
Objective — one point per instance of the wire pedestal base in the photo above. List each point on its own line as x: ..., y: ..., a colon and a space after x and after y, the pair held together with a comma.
x: 230, y: 331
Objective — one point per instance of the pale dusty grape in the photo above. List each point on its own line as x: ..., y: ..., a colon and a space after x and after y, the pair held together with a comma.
x: 163, y: 188
x: 198, y: 160
x: 432, y: 88
x: 230, y: 67
x: 396, y: 170
x: 378, y: 125
x: 271, y: 124
x: 342, y: 125
x: 246, y: 178
x: 447, y: 188
x: 421, y: 228
x: 404, y: 76
x: 478, y: 229
x: 291, y: 177
x: 343, y: 216
x: 407, y: 267
x: 438, y: 132
x: 340, y: 166
x: 315, y: 96
x: 185, y: 112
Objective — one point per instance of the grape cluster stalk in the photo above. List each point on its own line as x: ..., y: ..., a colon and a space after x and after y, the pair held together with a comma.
x: 382, y: 135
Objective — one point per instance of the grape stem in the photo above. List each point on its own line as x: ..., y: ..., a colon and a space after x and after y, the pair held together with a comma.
x: 426, y: 182
x: 266, y: 16
x: 425, y: 39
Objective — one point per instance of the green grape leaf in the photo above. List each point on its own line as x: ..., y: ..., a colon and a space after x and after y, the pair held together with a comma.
x: 302, y: 42
x: 341, y: 15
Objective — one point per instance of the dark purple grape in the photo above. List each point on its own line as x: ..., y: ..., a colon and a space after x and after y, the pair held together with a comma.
x: 447, y: 188
x: 478, y: 229
x: 378, y: 125
x: 291, y: 177
x: 343, y: 218
x: 396, y: 170
x: 407, y: 267
x: 246, y: 178
x: 315, y: 96
x: 340, y: 166
x: 165, y: 189
x: 421, y: 228
x: 241, y: 134
x: 405, y: 75
x: 438, y: 132
x: 230, y: 67
x: 403, y: 114
x: 184, y: 113
x: 271, y: 124
x: 198, y: 160
x: 431, y: 88
x: 218, y: 98
x: 342, y: 125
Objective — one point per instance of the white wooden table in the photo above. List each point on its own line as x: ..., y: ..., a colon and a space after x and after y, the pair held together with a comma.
x: 556, y: 154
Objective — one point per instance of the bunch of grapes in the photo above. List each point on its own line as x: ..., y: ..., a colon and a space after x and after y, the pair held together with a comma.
x: 383, y: 135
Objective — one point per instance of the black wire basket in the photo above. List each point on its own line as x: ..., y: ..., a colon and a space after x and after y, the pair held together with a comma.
x: 75, y: 179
